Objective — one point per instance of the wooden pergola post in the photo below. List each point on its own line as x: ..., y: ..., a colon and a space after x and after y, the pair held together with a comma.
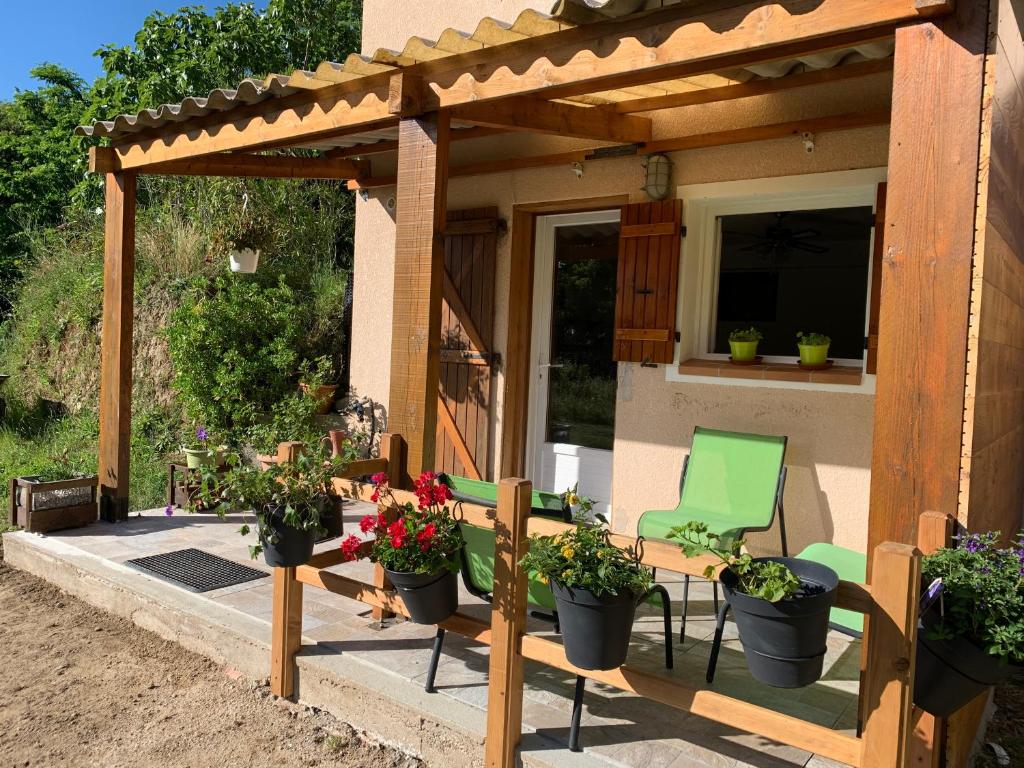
x: 116, y: 346
x: 419, y: 269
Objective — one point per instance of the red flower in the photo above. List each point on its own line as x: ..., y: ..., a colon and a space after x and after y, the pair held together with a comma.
x: 397, y: 534
x: 375, y: 496
x: 442, y: 493
x: 381, y: 478
x: 350, y: 548
x: 382, y: 521
x: 368, y: 523
x: 426, y: 536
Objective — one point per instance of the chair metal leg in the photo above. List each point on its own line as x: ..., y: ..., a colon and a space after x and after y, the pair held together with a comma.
x: 666, y: 610
x: 686, y: 602
x: 716, y: 645
x: 435, y: 657
x: 577, y: 713
x: 714, y: 592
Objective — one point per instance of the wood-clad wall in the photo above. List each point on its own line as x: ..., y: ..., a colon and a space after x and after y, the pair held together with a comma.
x: 992, y: 488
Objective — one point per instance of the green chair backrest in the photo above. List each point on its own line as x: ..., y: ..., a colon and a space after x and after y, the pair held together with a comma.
x: 478, y: 567
x: 732, y: 476
x: 481, y: 491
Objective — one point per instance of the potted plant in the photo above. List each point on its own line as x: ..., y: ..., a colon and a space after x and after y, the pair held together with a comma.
x: 781, y: 605
x: 201, y: 453
x: 596, y: 586
x: 287, y: 501
x: 247, y: 244
x: 315, y: 376
x: 971, y: 635
x: 419, y: 549
x: 743, y: 344
x: 813, y: 348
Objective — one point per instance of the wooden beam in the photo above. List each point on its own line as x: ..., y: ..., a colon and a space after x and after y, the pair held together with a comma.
x: 817, y: 125
x: 754, y: 87
x: 380, y: 147
x: 419, y: 280
x: 285, y: 632
x: 242, y: 165
x: 539, y: 116
x: 391, y: 453
x: 926, y: 272
x: 116, y: 346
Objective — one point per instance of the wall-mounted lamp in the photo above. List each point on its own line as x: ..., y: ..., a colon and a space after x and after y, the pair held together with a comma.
x: 658, y: 176
x: 808, y: 139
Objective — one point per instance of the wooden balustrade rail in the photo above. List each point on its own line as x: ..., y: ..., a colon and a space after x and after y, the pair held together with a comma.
x: 890, y: 603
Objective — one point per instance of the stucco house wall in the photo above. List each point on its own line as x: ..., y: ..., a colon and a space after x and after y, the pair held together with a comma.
x: 830, y: 432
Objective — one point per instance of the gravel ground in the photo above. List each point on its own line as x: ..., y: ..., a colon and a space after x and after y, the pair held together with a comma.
x: 79, y: 687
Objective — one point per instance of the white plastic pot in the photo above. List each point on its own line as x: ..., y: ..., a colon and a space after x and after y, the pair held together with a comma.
x: 245, y: 260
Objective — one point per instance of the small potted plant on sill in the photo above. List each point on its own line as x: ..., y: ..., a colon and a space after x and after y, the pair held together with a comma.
x: 419, y: 549
x: 813, y: 349
x: 315, y: 378
x: 596, y: 586
x: 743, y: 345
x: 781, y: 605
x: 202, y: 453
x: 287, y: 501
x: 971, y: 634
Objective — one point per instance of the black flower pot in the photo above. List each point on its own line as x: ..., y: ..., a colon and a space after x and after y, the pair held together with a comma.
x: 950, y: 673
x: 330, y: 519
x: 785, y: 642
x: 430, y: 598
x: 595, y: 629
x: 293, y: 547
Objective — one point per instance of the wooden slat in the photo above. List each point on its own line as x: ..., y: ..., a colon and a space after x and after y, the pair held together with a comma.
x: 755, y: 87
x: 708, y: 704
x: 875, y: 300
x: 393, y: 454
x: 419, y: 267
x: 649, y: 230
x: 285, y: 632
x: 508, y: 624
x: 380, y: 147
x: 447, y: 422
x: 116, y: 346
x: 471, y: 227
x: 539, y: 116
x: 105, y: 160
x: 887, y: 688
x: 926, y: 272
x: 464, y: 316
x: 366, y: 467
x: 816, y: 125
x: 643, y: 334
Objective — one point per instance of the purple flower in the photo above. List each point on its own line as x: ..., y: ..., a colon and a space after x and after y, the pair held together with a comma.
x: 169, y: 511
x: 202, y: 435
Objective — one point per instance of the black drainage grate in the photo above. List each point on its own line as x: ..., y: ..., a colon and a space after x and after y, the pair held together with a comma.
x: 196, y: 570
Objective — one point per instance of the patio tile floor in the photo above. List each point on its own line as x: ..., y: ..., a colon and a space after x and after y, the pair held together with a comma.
x: 620, y: 728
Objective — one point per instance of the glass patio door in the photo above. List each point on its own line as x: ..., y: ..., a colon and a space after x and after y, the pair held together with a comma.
x: 573, y: 376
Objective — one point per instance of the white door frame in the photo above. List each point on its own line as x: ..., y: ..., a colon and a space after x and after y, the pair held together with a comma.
x: 540, y: 341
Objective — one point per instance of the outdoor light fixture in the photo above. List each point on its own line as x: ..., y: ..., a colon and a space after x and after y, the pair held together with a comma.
x: 658, y: 178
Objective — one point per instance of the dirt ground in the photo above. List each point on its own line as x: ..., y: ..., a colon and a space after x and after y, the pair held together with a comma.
x: 79, y: 687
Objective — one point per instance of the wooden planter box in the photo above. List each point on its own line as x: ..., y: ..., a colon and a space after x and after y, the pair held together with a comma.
x: 182, y: 483
x: 39, y: 506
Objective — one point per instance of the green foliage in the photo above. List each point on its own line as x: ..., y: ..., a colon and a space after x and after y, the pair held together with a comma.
x: 585, y: 558
x: 767, y: 580
x: 812, y: 339
x: 748, y: 334
x: 295, y: 491
x: 234, y: 350
x: 982, y: 595
x: 291, y: 418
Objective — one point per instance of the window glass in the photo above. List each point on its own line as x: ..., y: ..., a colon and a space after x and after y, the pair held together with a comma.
x: 785, y: 272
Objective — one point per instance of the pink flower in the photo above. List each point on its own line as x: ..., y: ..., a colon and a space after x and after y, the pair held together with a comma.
x: 379, y: 479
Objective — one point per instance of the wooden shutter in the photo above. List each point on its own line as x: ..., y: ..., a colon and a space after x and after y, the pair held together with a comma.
x: 467, y: 330
x: 875, y: 297
x: 648, y: 281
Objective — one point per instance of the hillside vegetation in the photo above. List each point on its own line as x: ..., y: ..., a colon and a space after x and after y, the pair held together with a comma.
x: 212, y: 348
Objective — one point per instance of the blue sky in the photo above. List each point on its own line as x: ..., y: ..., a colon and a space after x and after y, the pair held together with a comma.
x: 68, y: 32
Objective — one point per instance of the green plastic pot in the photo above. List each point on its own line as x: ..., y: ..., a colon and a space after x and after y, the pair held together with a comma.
x: 813, y: 355
x: 199, y: 457
x: 743, y: 351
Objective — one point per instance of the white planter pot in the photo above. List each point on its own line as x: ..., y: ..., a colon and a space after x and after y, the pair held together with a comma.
x: 245, y: 260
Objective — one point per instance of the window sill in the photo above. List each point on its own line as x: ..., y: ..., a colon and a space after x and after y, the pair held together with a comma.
x: 839, y: 374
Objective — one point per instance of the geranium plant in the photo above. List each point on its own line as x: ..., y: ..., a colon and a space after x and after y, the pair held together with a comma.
x: 424, y: 538
x: 585, y: 558
x: 746, y: 334
x: 768, y: 580
x: 982, y: 598
x: 812, y: 339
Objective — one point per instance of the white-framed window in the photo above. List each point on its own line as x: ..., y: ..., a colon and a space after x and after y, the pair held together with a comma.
x: 781, y: 254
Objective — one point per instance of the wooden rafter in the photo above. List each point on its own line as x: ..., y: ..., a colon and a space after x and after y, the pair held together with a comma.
x: 391, y: 145
x: 104, y: 159
x: 539, y: 116
x: 670, y: 43
x: 815, y: 125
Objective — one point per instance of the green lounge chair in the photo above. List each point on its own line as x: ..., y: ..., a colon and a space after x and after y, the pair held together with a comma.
x: 486, y: 494
x: 731, y: 481
x: 477, y: 567
x: 848, y: 564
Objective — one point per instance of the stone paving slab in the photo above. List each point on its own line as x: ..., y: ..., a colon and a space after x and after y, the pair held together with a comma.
x: 342, y: 644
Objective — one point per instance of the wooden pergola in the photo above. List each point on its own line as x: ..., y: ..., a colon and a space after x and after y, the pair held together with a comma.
x: 938, y: 191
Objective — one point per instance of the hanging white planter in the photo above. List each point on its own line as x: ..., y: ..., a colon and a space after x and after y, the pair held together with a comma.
x: 245, y: 260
